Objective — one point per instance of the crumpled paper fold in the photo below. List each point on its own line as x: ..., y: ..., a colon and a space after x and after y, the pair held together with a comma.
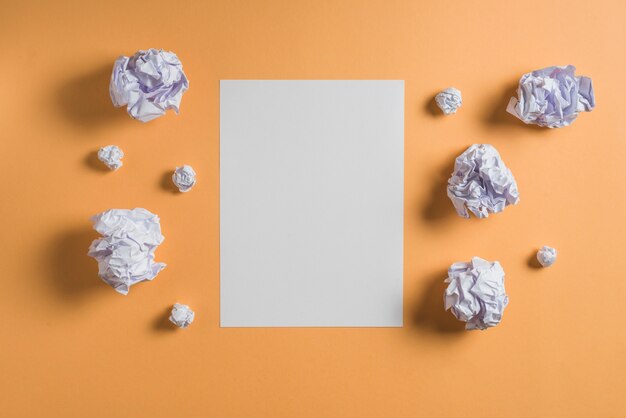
x: 552, y: 97
x: 125, y: 252
x: 481, y: 183
x: 182, y: 316
x: 148, y: 83
x: 476, y: 294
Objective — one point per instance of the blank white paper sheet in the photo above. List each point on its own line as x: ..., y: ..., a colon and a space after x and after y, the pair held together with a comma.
x: 311, y: 203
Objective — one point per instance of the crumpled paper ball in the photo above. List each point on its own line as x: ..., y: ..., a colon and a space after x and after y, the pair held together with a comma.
x: 476, y: 293
x: 111, y: 156
x: 184, y: 178
x: 125, y: 252
x: 449, y: 100
x: 546, y: 256
x: 481, y: 183
x: 552, y: 97
x: 181, y: 316
x: 148, y: 83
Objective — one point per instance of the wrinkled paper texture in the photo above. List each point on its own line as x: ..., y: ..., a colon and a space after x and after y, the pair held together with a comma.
x: 148, y: 83
x: 182, y: 316
x: 184, y: 178
x: 111, y: 156
x: 552, y: 97
x: 476, y: 293
x: 546, y: 256
x: 481, y: 183
x: 125, y: 252
x: 449, y: 100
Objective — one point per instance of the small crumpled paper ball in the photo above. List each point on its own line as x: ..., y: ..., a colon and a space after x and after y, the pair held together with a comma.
x: 181, y: 316
x: 552, y: 97
x: 148, y: 83
x: 111, y: 156
x: 449, y: 100
x: 125, y: 252
x: 481, y: 183
x: 476, y: 293
x: 184, y: 178
x: 546, y: 256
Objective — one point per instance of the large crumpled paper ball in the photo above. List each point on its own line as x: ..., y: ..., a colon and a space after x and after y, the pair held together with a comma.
x: 148, y: 83
x: 552, y: 97
x: 481, y: 183
x: 476, y: 293
x: 125, y: 252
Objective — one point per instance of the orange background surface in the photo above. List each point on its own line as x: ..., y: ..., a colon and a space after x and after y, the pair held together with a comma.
x: 72, y: 347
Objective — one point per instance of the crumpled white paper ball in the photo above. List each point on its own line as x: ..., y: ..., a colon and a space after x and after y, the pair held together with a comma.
x: 125, y: 252
x: 111, y: 156
x: 184, y: 178
x: 481, y: 182
x: 546, y: 256
x: 552, y: 97
x: 449, y: 100
x: 181, y: 316
x: 476, y: 293
x: 148, y: 83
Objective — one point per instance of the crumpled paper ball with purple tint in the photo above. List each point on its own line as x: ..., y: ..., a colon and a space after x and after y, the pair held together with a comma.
x: 481, y: 183
x: 475, y: 293
x: 546, y: 256
x: 449, y: 100
x: 148, y: 83
x: 125, y: 252
x: 182, y: 316
x: 184, y: 178
x: 552, y: 97
x: 111, y: 156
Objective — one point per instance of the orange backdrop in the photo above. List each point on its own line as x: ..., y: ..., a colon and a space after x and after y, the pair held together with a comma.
x: 72, y: 347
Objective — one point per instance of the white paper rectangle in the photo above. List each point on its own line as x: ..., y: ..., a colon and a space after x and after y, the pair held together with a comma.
x: 311, y: 203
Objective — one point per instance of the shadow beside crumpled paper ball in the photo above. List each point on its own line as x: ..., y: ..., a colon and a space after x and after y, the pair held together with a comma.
x: 73, y: 273
x: 431, y: 108
x: 166, y: 183
x: 438, y: 205
x: 85, y: 101
x: 532, y: 261
x: 497, y: 116
x: 92, y: 161
x: 496, y: 112
x: 430, y: 314
x: 162, y: 322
